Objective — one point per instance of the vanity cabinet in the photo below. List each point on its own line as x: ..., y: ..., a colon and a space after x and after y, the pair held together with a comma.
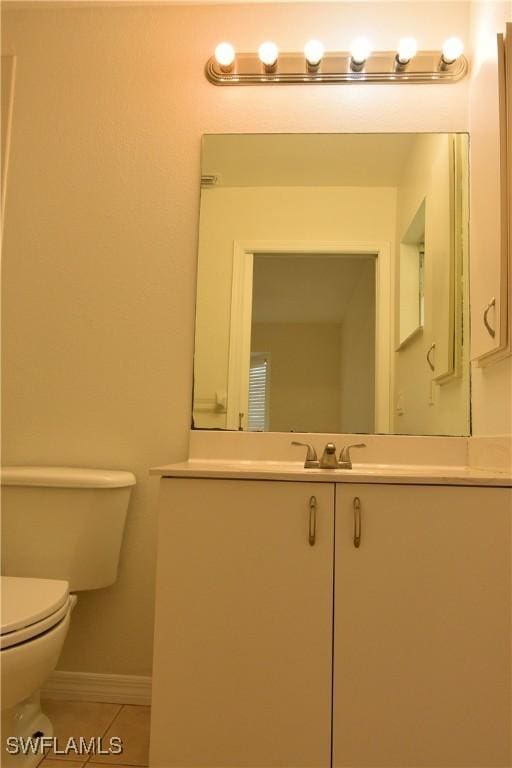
x: 256, y: 666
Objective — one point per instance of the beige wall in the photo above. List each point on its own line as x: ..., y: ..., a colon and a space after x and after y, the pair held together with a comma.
x: 101, y: 233
x: 304, y: 374
x: 357, y: 374
x: 324, y: 309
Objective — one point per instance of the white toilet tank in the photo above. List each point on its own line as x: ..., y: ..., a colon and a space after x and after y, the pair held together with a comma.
x: 64, y: 523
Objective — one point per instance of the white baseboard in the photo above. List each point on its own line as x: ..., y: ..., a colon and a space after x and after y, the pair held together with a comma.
x: 89, y: 686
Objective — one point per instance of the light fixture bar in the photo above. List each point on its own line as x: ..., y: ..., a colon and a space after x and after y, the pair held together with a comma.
x: 379, y: 67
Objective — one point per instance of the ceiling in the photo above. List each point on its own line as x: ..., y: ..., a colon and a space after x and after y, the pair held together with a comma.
x: 305, y: 159
x: 194, y: 2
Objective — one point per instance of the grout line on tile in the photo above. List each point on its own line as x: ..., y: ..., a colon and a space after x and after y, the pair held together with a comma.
x: 110, y: 724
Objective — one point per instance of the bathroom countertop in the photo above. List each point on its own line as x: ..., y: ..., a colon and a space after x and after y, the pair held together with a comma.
x: 361, y: 473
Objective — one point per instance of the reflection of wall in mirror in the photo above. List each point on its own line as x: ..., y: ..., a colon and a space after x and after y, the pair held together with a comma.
x: 357, y: 379
x: 304, y: 392
x: 273, y: 213
x: 423, y: 407
x: 314, y: 316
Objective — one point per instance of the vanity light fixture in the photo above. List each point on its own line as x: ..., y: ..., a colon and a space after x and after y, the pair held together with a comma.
x: 313, y: 52
x: 360, y: 65
x: 359, y: 52
x: 268, y: 53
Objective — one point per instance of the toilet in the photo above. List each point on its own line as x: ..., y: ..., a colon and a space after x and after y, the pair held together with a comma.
x: 62, y: 530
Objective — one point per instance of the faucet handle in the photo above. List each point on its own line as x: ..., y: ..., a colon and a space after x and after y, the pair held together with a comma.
x: 345, y: 453
x: 311, y: 457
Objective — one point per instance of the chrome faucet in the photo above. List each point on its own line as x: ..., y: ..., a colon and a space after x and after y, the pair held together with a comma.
x: 328, y: 460
x: 345, y: 461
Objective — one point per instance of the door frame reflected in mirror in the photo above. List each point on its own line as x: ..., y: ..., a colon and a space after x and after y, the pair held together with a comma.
x: 244, y: 252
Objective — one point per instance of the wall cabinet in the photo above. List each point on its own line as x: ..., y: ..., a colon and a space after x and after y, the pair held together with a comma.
x: 275, y: 650
x: 491, y: 199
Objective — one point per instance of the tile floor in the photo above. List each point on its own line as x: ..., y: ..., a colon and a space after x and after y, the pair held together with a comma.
x: 92, y: 719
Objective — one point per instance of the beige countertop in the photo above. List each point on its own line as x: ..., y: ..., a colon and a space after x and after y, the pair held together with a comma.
x: 360, y: 473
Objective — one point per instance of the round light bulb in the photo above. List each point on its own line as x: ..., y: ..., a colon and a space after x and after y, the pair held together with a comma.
x: 268, y: 53
x: 407, y: 49
x: 314, y: 51
x: 225, y: 54
x: 360, y: 50
x: 452, y: 49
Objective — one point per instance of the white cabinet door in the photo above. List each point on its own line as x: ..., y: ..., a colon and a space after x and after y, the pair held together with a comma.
x: 243, y: 640
x: 490, y: 112
x: 422, y: 627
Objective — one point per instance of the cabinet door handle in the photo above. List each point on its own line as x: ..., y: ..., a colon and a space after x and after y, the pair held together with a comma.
x: 429, y: 361
x: 490, y: 329
x: 357, y: 522
x: 312, y: 520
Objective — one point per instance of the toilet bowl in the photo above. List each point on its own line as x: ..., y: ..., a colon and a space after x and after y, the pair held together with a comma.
x: 35, y: 615
x: 62, y: 531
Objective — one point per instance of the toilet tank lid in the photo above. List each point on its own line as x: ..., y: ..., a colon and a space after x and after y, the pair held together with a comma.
x: 67, y: 477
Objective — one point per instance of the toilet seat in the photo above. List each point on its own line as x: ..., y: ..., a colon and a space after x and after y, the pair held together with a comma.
x: 31, y: 607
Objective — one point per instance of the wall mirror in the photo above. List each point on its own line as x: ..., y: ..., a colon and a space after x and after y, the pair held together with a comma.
x: 332, y: 284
